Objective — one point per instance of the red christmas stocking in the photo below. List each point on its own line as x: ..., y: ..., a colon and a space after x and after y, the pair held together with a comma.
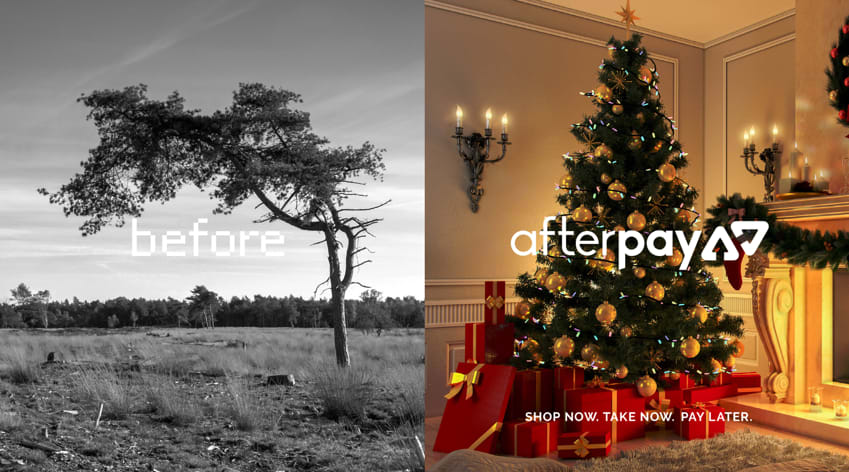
x: 733, y: 268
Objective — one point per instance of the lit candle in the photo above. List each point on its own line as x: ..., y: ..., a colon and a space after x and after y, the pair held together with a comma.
x: 459, y: 117
x: 821, y: 182
x: 816, y: 399
x: 840, y: 409
x: 752, y: 134
x: 745, y: 138
x: 488, y: 118
x: 774, y: 133
x: 785, y: 185
x: 806, y: 171
x: 504, y: 123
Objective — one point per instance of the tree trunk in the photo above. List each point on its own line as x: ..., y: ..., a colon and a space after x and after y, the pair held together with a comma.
x: 337, y: 288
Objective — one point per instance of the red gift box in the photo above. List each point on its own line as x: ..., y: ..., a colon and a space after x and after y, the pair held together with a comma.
x: 583, y: 445
x: 683, y: 381
x: 494, y: 293
x: 568, y: 377
x: 475, y: 407
x: 489, y: 344
x: 529, y: 438
x: 621, y: 403
x: 673, y: 395
x: 532, y: 391
x: 723, y: 378
x: 699, y: 421
x: 747, y: 382
x: 704, y: 394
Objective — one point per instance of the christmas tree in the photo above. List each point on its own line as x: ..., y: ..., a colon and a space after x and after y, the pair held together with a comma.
x: 651, y: 317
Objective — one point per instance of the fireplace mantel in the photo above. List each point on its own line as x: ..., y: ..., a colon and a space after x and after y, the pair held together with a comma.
x: 793, y: 307
x: 804, y: 209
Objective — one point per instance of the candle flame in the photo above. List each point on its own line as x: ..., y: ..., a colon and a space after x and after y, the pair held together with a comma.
x: 774, y: 130
x: 746, y: 136
x: 459, y: 112
x: 488, y: 114
x: 752, y: 132
x: 504, y: 119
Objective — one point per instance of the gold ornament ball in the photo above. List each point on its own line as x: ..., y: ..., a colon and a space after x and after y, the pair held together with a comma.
x: 626, y: 331
x: 609, y: 257
x: 555, y: 282
x: 674, y: 376
x: 635, y: 143
x: 690, y: 348
x: 657, y: 146
x: 582, y: 214
x: 563, y: 346
x: 621, y: 372
x: 603, y: 151
x: 666, y: 172
x: 531, y: 345
x: 636, y: 221
x: 655, y: 291
x: 845, y: 61
x: 715, y: 365
x: 605, y: 179
x: 645, y: 74
x: 699, y: 312
x: 565, y: 181
x: 639, y: 272
x: 617, y: 109
x: 603, y: 93
x: 618, y: 228
x: 605, y: 313
x: 589, y: 353
x: 740, y: 348
x: 730, y: 362
x: 676, y: 258
x: 540, y: 275
x: 646, y: 386
x: 832, y: 95
x: 522, y: 310
x: 616, y: 191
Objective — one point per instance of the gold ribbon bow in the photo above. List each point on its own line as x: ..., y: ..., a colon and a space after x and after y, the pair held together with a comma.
x: 469, y: 380
x: 494, y: 302
x: 582, y: 446
x: 660, y: 408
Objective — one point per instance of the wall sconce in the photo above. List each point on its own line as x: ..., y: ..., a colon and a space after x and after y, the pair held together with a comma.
x: 769, y: 156
x: 474, y: 150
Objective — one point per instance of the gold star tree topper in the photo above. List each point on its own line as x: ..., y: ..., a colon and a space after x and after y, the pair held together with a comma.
x: 629, y: 17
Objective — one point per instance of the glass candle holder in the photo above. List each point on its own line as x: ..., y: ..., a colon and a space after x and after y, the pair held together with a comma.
x: 841, y: 409
x: 815, y: 398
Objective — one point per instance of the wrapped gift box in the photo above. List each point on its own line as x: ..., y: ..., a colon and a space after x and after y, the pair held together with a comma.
x: 701, y: 421
x: 583, y: 445
x: 723, y: 378
x: 568, y: 377
x: 620, y: 401
x: 663, y: 412
x: 704, y: 394
x: 684, y: 381
x: 475, y: 407
x: 529, y: 438
x: 747, y: 382
x: 494, y: 299
x: 673, y: 395
x: 491, y: 344
x: 532, y: 391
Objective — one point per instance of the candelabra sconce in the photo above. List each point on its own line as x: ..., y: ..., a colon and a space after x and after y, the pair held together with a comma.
x: 475, y: 151
x: 769, y: 156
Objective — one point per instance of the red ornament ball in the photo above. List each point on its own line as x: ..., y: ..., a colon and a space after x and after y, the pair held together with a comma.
x: 846, y: 82
x: 842, y: 114
x: 834, y: 53
x: 845, y: 29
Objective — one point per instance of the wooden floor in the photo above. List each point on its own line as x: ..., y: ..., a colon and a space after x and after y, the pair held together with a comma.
x: 657, y: 438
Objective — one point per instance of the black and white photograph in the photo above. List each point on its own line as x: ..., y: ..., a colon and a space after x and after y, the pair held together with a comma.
x: 212, y: 235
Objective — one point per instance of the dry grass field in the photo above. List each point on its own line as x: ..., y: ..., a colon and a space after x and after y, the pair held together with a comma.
x: 198, y: 400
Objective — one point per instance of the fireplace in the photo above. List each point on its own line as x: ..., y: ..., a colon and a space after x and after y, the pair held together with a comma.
x: 841, y: 327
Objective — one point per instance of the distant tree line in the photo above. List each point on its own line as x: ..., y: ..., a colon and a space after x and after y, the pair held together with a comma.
x: 205, y: 309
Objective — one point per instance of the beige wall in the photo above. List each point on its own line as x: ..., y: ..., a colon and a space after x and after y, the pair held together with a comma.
x: 530, y: 63
x: 821, y: 137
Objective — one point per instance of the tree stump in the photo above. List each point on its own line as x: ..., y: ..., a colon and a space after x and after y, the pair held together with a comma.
x: 283, y: 379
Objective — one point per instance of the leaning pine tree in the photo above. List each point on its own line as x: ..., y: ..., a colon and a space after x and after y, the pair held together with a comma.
x: 649, y: 318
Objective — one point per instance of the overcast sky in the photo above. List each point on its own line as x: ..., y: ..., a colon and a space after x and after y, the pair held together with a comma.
x: 359, y: 66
